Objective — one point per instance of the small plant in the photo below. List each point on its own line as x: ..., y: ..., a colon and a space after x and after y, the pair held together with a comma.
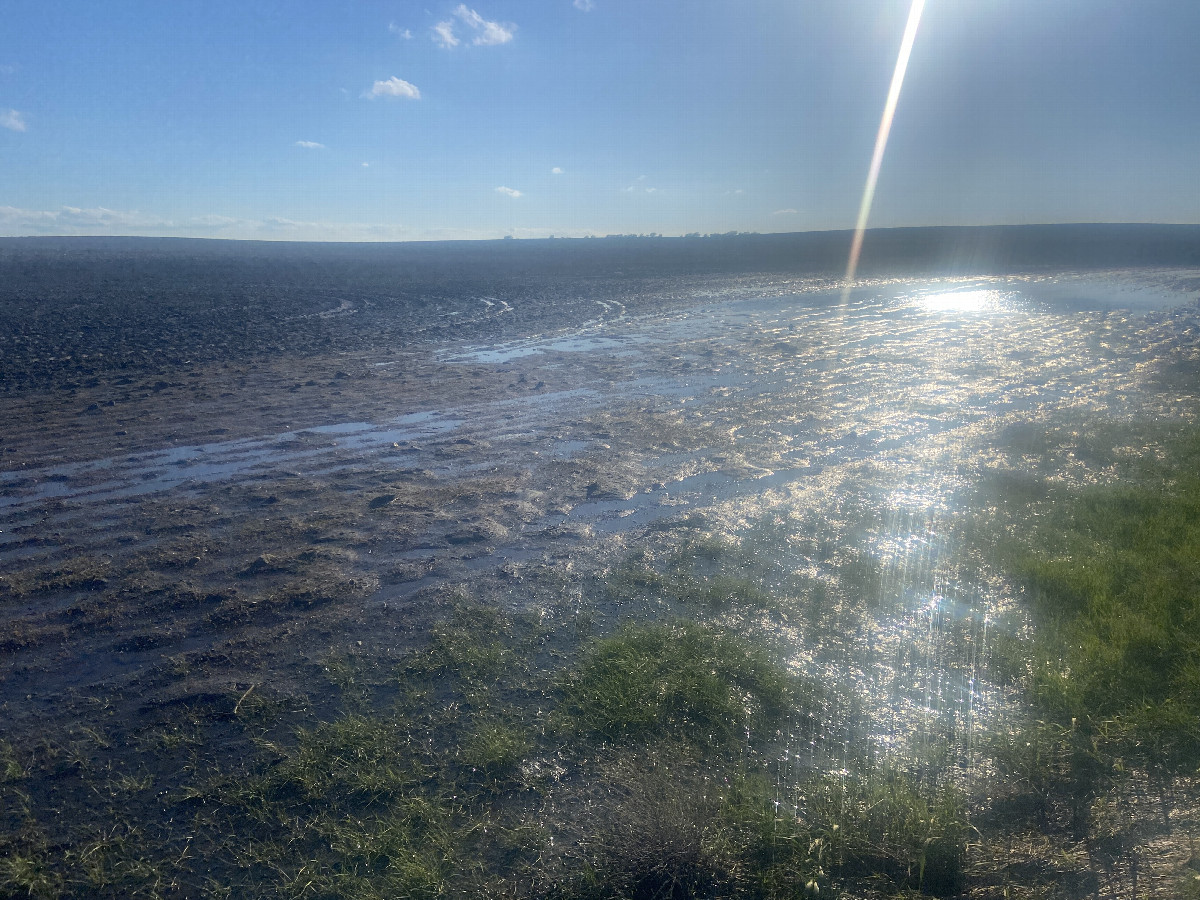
x: 681, y: 680
x: 667, y: 839
x: 495, y: 751
x: 470, y: 645
x: 871, y: 823
x: 347, y: 812
x: 24, y: 874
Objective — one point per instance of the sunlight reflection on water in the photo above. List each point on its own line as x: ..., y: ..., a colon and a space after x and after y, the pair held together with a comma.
x: 971, y: 302
x: 798, y: 410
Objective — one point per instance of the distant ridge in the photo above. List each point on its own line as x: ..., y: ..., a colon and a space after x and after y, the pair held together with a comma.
x: 995, y: 249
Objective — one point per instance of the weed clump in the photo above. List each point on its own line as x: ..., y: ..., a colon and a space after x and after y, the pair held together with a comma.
x: 495, y: 750
x: 666, y: 838
x: 472, y: 645
x: 676, y: 830
x: 347, y: 812
x: 681, y: 681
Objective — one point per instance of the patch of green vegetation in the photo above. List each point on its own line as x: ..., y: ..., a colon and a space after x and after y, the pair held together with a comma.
x: 463, y: 773
x: 359, y: 758
x: 1112, y: 578
x: 495, y: 750
x: 634, y: 580
x: 704, y: 574
x: 11, y: 769
x: 682, y: 680
x: 348, y: 811
x: 686, y: 831
x: 30, y: 872
x: 83, y: 858
x: 473, y: 644
x: 879, y: 823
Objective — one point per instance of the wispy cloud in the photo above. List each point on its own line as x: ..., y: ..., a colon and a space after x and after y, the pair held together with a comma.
x: 784, y: 212
x: 556, y: 171
x: 508, y: 192
x: 639, y: 189
x: 394, y: 87
x: 585, y: 5
x: 482, y: 32
x: 12, y: 120
x: 486, y: 33
x: 311, y: 145
x: 401, y: 32
x: 443, y: 35
x: 75, y: 220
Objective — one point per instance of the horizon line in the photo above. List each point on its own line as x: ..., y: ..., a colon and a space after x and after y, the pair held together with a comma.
x: 598, y: 237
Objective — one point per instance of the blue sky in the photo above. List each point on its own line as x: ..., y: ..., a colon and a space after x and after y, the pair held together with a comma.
x: 374, y: 120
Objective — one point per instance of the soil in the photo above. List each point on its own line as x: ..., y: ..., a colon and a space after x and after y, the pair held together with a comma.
x: 227, y: 505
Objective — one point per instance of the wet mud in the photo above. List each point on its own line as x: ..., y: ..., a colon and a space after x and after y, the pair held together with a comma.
x: 218, y: 529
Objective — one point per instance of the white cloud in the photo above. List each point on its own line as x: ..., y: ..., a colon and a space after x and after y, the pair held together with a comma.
x: 310, y: 145
x: 402, y: 32
x: 366, y: 165
x: 11, y: 119
x: 443, y: 34
x: 585, y: 5
x: 394, y: 87
x: 72, y: 220
x: 486, y: 33
x: 784, y: 212
x: 556, y: 171
x: 508, y: 192
x: 214, y: 221
x: 75, y: 220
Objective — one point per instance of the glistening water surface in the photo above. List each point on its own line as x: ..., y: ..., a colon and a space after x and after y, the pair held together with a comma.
x: 843, y: 444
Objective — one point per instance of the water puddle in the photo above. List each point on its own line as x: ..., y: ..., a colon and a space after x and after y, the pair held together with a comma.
x: 793, y: 408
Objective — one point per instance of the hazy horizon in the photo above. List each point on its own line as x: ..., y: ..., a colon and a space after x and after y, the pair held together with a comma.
x: 588, y: 237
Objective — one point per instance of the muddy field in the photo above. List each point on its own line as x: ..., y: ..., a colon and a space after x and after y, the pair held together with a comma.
x: 264, y: 506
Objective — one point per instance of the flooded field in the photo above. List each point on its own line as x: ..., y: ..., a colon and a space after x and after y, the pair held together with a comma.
x: 204, y: 575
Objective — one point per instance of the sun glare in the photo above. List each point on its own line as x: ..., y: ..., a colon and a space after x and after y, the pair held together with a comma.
x: 977, y: 301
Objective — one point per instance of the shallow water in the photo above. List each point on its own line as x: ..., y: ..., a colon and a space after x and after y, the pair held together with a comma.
x: 836, y: 430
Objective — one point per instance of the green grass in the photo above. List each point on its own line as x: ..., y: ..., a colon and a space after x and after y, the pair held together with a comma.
x: 682, y: 681
x: 474, y: 644
x: 638, y: 769
x: 1117, y: 600
x: 680, y: 831
x: 346, y: 811
x: 495, y: 751
x: 702, y: 575
x: 1111, y: 575
x: 569, y: 757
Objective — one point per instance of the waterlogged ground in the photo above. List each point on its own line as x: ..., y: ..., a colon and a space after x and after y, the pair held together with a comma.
x: 255, y: 536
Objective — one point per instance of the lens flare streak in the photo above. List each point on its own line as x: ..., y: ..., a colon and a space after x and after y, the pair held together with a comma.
x: 885, y: 127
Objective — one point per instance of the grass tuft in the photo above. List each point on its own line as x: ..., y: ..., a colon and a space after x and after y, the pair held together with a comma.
x: 682, y: 680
